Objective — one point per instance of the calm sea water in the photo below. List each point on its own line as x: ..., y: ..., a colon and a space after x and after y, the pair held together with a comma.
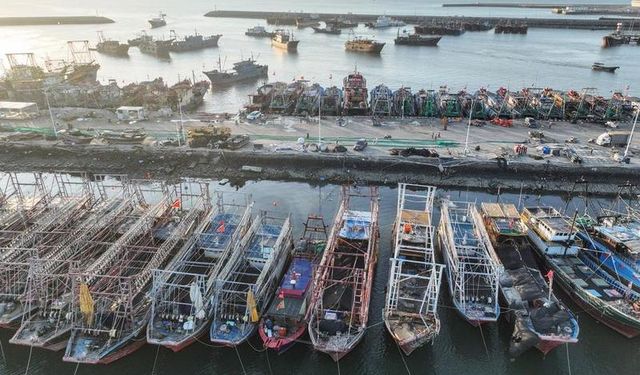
x: 543, y: 58
x: 459, y: 349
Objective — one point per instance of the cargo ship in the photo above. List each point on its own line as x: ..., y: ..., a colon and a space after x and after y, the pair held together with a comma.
x: 284, y: 40
x: 360, y: 44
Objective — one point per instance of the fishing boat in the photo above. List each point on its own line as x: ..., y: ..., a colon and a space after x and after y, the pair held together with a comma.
x: 540, y: 320
x: 407, y: 39
x: 302, y: 22
x: 328, y: 29
x: 47, y: 301
x: 472, y: 272
x: 285, y: 321
x: 69, y: 209
x: 384, y: 22
x: 142, y: 37
x: 614, y: 286
x: 309, y: 102
x: 192, y: 42
x: 244, y: 287
x: 111, y: 47
x: 181, y: 293
x: 403, y: 102
x: 110, y: 301
x: 411, y: 307
x: 157, y: 48
x: 361, y: 44
x: 436, y: 28
x: 427, y: 103
x: 342, y: 23
x: 258, y: 32
x: 128, y: 136
x: 243, y: 70
x: 601, y: 67
x: 331, y: 101
x: 448, y: 103
x: 158, y: 21
x: 343, y: 282
x: 284, y: 40
x: 381, y: 100
x: 355, y: 94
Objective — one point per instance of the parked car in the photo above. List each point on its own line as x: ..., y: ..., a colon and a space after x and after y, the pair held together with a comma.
x: 360, y: 145
x: 255, y: 115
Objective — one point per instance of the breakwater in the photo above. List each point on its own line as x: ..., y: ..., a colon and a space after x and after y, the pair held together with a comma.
x: 550, y: 23
x: 57, y: 20
x: 526, y: 5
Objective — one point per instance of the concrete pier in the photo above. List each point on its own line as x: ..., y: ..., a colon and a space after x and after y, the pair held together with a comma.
x: 554, y: 23
x: 57, y: 20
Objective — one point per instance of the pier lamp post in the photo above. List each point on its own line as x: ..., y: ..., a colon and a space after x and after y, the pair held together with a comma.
x: 53, y: 123
x: 633, y: 129
x: 466, y: 141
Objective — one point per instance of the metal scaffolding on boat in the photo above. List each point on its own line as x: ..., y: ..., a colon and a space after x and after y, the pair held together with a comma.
x: 410, y: 312
x: 243, y: 287
x: 472, y: 271
x: 343, y: 281
x: 109, y: 303
x: 181, y: 293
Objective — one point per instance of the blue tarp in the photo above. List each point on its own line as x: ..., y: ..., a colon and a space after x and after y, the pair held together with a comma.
x: 356, y: 225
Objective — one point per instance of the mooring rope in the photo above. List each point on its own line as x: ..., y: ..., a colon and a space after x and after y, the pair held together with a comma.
x: 155, y: 360
x: 26, y: 371
x: 77, y: 367
x: 269, y: 363
x: 338, y: 364
x: 402, y: 357
x: 483, y: 341
x: 240, y: 359
x: 568, y: 360
x: 4, y: 358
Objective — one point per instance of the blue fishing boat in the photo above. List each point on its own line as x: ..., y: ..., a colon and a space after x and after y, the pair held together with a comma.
x: 245, y: 285
x: 472, y: 272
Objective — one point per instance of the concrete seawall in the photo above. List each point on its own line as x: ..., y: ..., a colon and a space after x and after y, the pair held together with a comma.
x: 553, y: 23
x: 61, y: 20
x: 138, y: 161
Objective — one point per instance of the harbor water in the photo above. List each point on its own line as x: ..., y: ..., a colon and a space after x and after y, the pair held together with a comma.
x: 459, y: 349
x: 560, y: 59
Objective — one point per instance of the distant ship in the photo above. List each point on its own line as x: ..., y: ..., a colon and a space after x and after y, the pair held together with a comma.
x: 284, y: 40
x: 384, y: 22
x: 193, y: 42
x: 259, y: 32
x: 158, y: 48
x: 242, y: 71
x: 111, y: 47
x: 329, y: 29
x: 143, y: 37
x: 417, y: 39
x: 598, y: 66
x: 359, y: 44
x: 158, y: 21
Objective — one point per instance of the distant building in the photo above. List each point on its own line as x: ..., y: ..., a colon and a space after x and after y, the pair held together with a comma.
x: 635, y: 3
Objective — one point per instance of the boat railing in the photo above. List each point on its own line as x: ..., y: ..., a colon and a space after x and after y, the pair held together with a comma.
x: 616, y: 284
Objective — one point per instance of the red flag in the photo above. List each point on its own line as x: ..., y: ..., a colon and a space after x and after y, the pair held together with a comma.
x: 549, y: 275
x: 220, y: 227
x: 176, y: 204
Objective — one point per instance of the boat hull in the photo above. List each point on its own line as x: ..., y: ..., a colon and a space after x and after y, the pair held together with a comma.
x: 219, y: 81
x: 281, y: 345
x: 291, y: 46
x: 410, y: 345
